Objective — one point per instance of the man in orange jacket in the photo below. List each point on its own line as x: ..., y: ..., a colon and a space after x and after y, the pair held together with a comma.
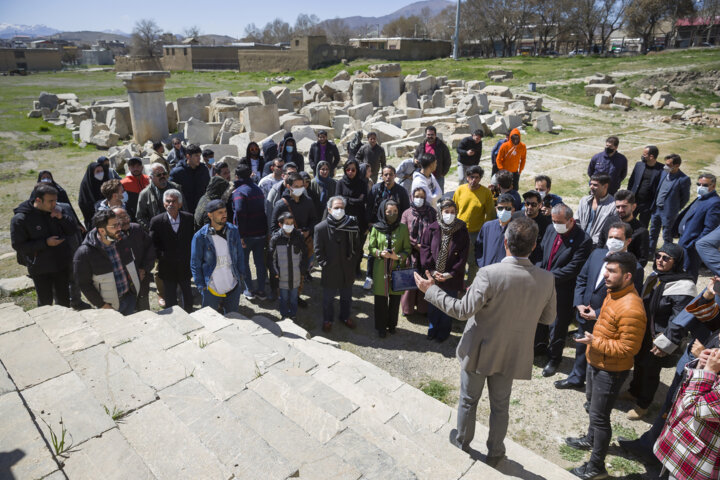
x: 611, y: 349
x: 511, y: 156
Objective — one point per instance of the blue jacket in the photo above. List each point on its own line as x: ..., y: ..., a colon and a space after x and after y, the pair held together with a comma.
x: 676, y: 199
x: 489, y: 246
x: 203, y: 259
x: 614, y: 165
x: 697, y: 220
x: 249, y: 207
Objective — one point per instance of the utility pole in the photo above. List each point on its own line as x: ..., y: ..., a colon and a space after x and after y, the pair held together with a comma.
x: 456, y: 46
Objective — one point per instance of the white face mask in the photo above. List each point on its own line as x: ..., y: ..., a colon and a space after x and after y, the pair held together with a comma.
x: 702, y: 190
x: 337, y: 213
x: 542, y: 194
x: 666, y: 168
x: 560, y: 228
x: 298, y: 191
x: 614, y: 245
x: 46, y: 180
x: 419, y: 202
x: 504, y: 215
x: 448, y: 218
x: 288, y: 228
x: 100, y: 176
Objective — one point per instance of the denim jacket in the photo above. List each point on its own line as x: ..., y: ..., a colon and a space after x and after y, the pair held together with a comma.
x: 203, y: 259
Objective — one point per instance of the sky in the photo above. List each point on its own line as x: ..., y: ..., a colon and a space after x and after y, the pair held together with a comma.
x: 212, y: 16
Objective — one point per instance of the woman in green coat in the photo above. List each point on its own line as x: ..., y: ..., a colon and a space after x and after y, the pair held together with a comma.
x: 390, y: 248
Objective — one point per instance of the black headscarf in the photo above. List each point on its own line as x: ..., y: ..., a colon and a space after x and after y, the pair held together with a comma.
x: 90, y: 191
x: 382, y: 224
x: 662, y: 279
x: 358, y: 184
x: 62, y: 194
x: 354, y: 145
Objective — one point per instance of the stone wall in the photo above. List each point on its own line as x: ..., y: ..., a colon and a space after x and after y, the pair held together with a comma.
x: 272, y: 61
x: 135, y: 64
x: 32, y: 60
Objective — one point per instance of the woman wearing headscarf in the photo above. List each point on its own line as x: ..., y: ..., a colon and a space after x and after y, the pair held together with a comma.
x: 390, y: 247
x: 666, y: 293
x: 353, y: 186
x: 45, y: 176
x: 95, y: 175
x: 365, y: 171
x: 105, y: 162
x: 354, y: 145
x: 443, y: 252
x: 323, y: 185
x: 418, y: 218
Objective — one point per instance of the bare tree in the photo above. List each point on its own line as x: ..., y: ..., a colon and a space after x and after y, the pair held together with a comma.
x: 708, y: 11
x: 277, y: 31
x: 252, y: 33
x: 307, y: 25
x: 442, y: 25
x: 144, y: 38
x: 338, y: 32
x: 191, y: 32
x: 552, y: 21
x: 612, y: 14
x: 405, y: 27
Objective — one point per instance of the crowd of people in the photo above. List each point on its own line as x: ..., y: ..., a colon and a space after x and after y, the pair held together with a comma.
x: 187, y: 223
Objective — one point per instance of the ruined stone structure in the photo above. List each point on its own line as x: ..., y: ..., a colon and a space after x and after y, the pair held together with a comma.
x: 30, y: 59
x: 190, y: 57
x: 148, y: 112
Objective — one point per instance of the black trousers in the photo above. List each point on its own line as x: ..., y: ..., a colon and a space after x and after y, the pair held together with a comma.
x: 51, y: 286
x: 143, y: 297
x: 602, y: 390
x: 643, y: 216
x: 171, y: 284
x: 386, y: 311
x: 516, y: 181
x: 557, y: 332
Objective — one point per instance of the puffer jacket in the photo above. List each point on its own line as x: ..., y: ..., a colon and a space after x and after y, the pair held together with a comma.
x: 619, y: 331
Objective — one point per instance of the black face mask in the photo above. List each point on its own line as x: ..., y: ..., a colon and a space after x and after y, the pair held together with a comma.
x: 609, y: 151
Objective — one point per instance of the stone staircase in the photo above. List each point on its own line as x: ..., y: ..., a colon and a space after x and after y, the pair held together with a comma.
x: 205, y: 396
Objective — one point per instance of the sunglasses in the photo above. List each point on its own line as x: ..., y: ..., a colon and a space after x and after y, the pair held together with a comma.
x: 507, y: 209
x: 531, y: 204
x: 160, y: 174
x: 664, y: 258
x: 703, y: 184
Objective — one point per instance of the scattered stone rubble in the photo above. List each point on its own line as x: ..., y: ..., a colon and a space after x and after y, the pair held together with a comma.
x: 382, y: 100
x: 607, y: 95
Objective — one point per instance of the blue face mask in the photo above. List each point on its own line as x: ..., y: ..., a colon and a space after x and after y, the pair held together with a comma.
x: 289, y: 149
x: 210, y: 161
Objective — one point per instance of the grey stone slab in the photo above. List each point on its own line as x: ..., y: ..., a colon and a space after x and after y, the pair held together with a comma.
x: 81, y: 339
x: 13, y: 317
x: 149, y: 325
x: 25, y: 454
x: 294, y: 358
x: 167, y: 446
x: 10, y: 286
x: 366, y: 457
x: 324, y: 355
x: 481, y: 471
x: 246, y: 325
x: 109, y: 457
x: 351, y: 373
x: 6, y: 385
x: 112, y: 326
x: 67, y: 398
x: 30, y: 365
x: 211, y: 319
x: 57, y: 322
x: 56, y: 475
x: 222, y: 431
x: 202, y: 337
x: 112, y: 382
x: 321, y: 425
x: 320, y: 394
x: 153, y: 365
x: 422, y: 410
x: 263, y: 354
x: 281, y: 433
x: 179, y: 319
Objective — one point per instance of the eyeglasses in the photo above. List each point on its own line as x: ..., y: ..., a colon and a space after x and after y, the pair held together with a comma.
x: 531, y: 204
x: 507, y: 209
x: 350, y: 170
x: 164, y: 174
x: 664, y: 258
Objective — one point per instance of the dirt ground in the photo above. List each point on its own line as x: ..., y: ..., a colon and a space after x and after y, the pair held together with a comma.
x: 541, y: 416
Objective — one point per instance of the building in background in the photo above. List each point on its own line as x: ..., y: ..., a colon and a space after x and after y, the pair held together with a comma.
x: 30, y: 59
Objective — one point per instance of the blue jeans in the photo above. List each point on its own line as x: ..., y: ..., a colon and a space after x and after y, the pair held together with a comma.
x: 329, y: 300
x: 439, y: 322
x: 229, y: 303
x: 288, y: 302
x: 256, y: 246
x: 127, y: 304
x: 708, y: 248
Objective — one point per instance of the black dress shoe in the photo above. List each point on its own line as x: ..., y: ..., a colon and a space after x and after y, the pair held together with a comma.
x: 382, y: 333
x: 635, y: 447
x: 565, y: 385
x: 494, y: 461
x: 587, y: 472
x: 453, y: 440
x: 586, y: 406
x: 579, y: 443
x: 302, y: 303
x: 550, y: 369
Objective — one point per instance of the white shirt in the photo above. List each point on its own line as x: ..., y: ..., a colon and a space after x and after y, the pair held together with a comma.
x: 222, y: 279
x: 429, y: 185
x: 174, y: 223
x: 601, y: 277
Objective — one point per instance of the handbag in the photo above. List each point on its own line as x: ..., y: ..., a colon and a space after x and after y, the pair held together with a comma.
x: 403, y: 279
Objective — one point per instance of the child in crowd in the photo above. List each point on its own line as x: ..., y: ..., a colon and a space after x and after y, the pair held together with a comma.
x: 288, y: 259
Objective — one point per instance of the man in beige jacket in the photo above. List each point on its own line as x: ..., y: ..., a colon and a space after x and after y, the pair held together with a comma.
x: 503, y: 307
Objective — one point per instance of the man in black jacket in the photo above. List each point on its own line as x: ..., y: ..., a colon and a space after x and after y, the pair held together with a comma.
x: 192, y: 177
x: 172, y: 233
x: 38, y: 232
x: 142, y: 248
x: 323, y: 150
x: 565, y: 249
x: 372, y: 154
x: 437, y: 147
x: 388, y: 188
x: 644, y: 181
x: 295, y: 200
x: 469, y: 151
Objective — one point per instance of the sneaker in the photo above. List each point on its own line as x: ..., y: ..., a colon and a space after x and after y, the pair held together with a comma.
x: 161, y: 302
x: 368, y: 283
x: 261, y: 295
x: 248, y: 294
x: 588, y: 472
x: 579, y: 443
x: 636, y: 413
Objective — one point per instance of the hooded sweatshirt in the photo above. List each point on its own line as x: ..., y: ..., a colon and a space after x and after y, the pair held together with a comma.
x: 512, y: 157
x: 216, y: 189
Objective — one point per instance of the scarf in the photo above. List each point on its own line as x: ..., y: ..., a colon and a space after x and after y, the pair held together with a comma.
x: 347, y: 224
x: 324, y: 183
x: 421, y: 218
x: 447, y: 232
x: 383, y: 194
x: 355, y: 184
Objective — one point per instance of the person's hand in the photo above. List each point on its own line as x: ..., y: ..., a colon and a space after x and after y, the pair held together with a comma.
x: 697, y: 348
x: 56, y: 213
x: 54, y: 241
x: 471, y: 152
x: 83, y: 230
x: 712, y: 364
x: 545, y: 210
x: 141, y: 274
x: 587, y: 339
x: 424, y: 283
x: 277, y: 276
x: 107, y: 306
x: 588, y: 313
x: 710, y: 292
x: 306, y: 234
x: 657, y: 352
x: 242, y: 242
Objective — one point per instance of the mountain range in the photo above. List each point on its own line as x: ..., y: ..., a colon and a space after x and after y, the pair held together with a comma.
x: 434, y: 6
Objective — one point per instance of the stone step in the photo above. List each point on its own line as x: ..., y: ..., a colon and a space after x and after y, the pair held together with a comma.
x: 180, y: 320
x: 12, y: 318
x: 30, y: 358
x: 211, y: 319
x: 222, y: 431
x: 287, y: 437
x: 152, y: 364
x: 66, y: 328
x: 168, y: 447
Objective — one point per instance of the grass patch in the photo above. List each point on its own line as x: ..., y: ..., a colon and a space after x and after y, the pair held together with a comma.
x: 436, y: 389
x: 116, y: 414
x: 622, y: 431
x: 625, y: 466
x: 570, y: 454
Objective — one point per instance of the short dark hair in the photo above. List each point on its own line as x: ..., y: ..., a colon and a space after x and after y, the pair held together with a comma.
x: 676, y: 160
x: 506, y: 198
x: 102, y: 217
x: 207, y: 153
x: 390, y: 167
x: 135, y: 161
x: 601, y: 178
x: 653, y: 150
x: 322, y: 132
x: 157, y: 145
x: 625, y: 195
x: 475, y: 169
x: 532, y: 193
x: 293, y: 177
x: 625, y: 260
x: 624, y: 227
x: 430, y: 128
x: 426, y: 159
x: 110, y: 187
x: 371, y: 134
x: 243, y: 171
x: 219, y: 166
x: 544, y: 178
x: 521, y: 236
x: 504, y: 178
x: 192, y: 149
x: 709, y: 176
x: 284, y: 216
x: 42, y: 189
x: 479, y: 132
x: 614, y: 140
x: 288, y: 166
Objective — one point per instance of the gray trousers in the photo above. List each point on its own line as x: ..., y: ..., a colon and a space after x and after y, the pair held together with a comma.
x: 471, y: 388
x: 461, y: 169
